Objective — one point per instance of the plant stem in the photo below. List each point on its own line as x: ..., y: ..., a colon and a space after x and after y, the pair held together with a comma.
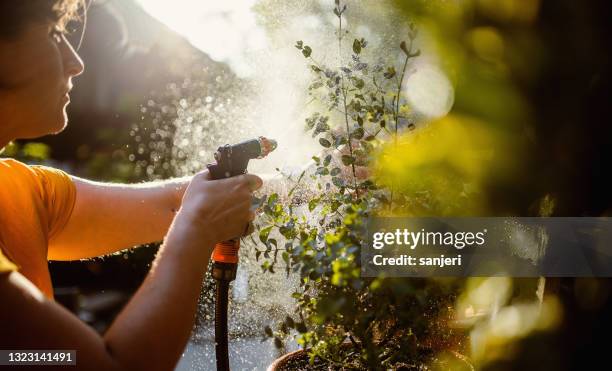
x: 396, y: 109
x: 343, y: 89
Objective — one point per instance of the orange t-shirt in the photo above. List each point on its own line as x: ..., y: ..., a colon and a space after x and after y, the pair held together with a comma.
x: 35, y: 204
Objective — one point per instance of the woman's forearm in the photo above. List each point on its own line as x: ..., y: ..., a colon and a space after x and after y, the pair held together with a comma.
x: 157, y: 322
x: 110, y: 217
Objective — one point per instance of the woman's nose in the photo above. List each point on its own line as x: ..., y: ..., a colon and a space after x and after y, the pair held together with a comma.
x: 73, y: 64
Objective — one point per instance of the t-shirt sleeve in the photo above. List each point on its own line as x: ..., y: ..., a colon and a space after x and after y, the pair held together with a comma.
x: 59, y: 195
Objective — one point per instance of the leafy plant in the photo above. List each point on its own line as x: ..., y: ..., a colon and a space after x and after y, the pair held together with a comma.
x: 342, y: 318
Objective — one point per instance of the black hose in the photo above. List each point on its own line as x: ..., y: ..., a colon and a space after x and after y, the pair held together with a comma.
x: 221, y: 341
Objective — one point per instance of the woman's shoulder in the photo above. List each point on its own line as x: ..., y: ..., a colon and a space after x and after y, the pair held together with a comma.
x: 10, y: 164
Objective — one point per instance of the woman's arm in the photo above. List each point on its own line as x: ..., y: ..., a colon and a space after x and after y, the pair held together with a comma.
x: 151, y: 331
x: 110, y: 217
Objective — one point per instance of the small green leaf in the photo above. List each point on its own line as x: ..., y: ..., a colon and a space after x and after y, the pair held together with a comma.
x: 299, y: 44
x: 264, y: 233
x: 324, y: 142
x: 390, y: 73
x: 312, y: 204
x: 338, y: 182
x: 306, y: 51
x: 357, y: 133
x: 356, y: 46
x: 278, y: 343
x: 327, y: 160
x: 359, y: 83
x: 268, y: 331
x: 290, y: 322
x: 335, y: 171
x: 347, y: 160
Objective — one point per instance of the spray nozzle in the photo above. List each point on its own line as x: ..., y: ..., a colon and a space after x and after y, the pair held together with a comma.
x: 233, y: 160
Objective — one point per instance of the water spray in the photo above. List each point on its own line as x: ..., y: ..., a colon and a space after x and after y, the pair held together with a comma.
x: 231, y: 160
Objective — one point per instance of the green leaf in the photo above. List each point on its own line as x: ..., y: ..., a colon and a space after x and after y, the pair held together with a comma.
x: 289, y: 322
x: 324, y: 142
x: 278, y: 343
x: 357, y: 133
x: 348, y: 159
x: 272, y: 199
x: 316, y: 159
x: 322, y: 171
x: 299, y: 44
x: 268, y: 331
x: 315, y: 68
x: 335, y: 171
x: 301, y: 327
x: 390, y: 73
x: 327, y: 160
x: 356, y: 46
x: 338, y: 182
x: 312, y: 204
x: 306, y: 51
x: 264, y: 233
x: 359, y: 83
x: 404, y: 48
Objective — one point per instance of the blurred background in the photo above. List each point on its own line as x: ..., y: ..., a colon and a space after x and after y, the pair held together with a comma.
x: 165, y: 83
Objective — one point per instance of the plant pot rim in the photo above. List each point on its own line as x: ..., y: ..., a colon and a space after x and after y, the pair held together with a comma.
x: 274, y: 366
x: 279, y: 362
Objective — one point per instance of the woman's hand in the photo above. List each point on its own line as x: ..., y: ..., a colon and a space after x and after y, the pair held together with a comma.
x: 219, y: 210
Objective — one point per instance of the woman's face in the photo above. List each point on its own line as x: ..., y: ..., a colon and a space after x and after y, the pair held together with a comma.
x: 36, y: 69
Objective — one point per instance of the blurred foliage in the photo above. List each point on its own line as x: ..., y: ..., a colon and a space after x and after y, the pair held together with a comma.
x: 30, y: 151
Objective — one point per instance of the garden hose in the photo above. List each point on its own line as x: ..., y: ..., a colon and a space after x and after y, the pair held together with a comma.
x: 230, y: 161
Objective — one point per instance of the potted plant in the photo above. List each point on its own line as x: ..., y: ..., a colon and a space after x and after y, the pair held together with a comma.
x: 343, y: 320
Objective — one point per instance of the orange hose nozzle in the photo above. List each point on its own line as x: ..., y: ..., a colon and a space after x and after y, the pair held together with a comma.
x: 226, y: 252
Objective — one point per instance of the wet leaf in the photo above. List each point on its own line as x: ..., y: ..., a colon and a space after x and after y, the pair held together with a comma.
x: 357, y: 133
x: 390, y: 73
x: 264, y: 233
x: 306, y: 51
x: 324, y: 142
x: 356, y: 46
x: 404, y: 48
x: 348, y: 159
x: 268, y: 331
x: 359, y: 83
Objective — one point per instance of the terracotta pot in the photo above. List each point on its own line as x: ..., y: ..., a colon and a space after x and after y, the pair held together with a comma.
x: 282, y: 361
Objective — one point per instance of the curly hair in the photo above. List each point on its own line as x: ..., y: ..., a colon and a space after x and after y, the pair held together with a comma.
x: 16, y: 14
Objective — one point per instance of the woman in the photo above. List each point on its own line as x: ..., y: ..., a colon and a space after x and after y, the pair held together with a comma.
x: 46, y: 214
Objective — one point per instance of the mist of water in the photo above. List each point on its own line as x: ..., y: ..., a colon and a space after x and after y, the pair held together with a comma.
x: 190, y: 120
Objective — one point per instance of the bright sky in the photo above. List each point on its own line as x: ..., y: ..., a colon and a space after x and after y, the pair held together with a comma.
x: 222, y: 29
